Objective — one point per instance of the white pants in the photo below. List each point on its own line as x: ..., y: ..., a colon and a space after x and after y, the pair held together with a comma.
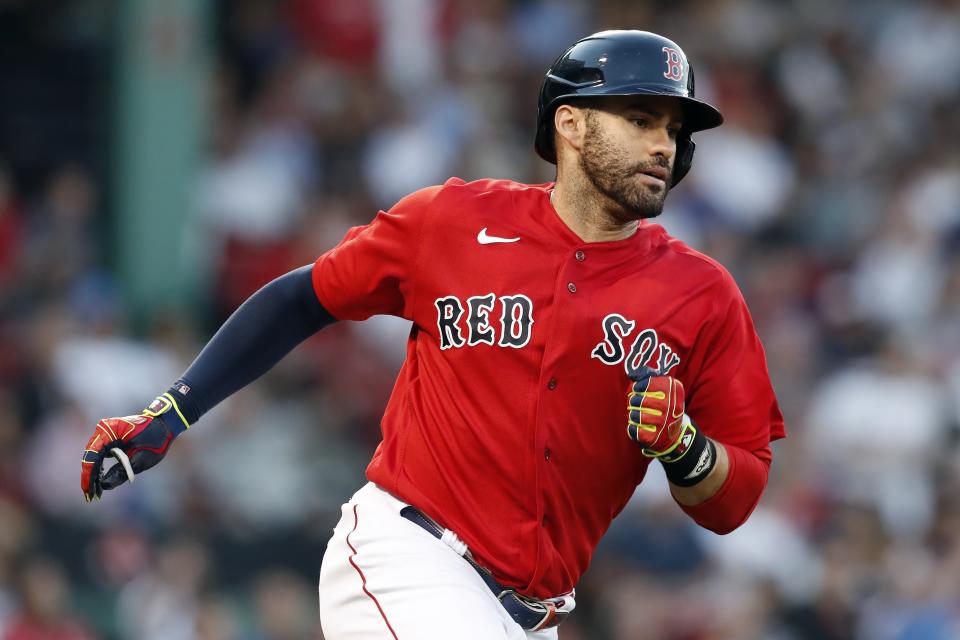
x: 383, y: 577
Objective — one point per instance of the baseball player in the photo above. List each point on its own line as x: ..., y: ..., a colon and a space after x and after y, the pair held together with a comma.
x: 560, y: 343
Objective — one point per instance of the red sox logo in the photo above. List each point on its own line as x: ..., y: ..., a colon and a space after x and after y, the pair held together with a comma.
x: 648, y: 349
x: 674, y: 64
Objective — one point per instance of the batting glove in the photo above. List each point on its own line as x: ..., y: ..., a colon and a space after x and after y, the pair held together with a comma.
x: 137, y: 442
x: 656, y: 413
x: 657, y: 421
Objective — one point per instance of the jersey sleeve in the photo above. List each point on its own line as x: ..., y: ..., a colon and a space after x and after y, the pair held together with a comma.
x: 373, y: 269
x: 740, y: 493
x: 731, y: 397
x: 732, y: 400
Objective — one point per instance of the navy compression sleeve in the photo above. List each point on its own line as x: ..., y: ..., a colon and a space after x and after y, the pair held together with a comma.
x: 260, y: 332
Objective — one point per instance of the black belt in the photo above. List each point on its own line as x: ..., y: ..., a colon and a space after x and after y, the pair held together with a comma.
x: 531, y: 614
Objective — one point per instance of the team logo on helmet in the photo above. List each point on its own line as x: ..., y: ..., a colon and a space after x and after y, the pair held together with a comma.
x: 674, y: 64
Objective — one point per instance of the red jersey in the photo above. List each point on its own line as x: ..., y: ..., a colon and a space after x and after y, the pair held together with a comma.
x: 508, y: 420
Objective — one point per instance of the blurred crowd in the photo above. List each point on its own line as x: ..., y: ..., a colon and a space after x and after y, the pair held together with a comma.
x: 832, y: 193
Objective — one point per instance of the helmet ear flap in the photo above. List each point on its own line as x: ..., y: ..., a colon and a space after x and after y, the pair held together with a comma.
x: 684, y: 157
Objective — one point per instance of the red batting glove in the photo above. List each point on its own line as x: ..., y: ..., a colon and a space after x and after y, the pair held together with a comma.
x: 137, y: 442
x: 656, y: 419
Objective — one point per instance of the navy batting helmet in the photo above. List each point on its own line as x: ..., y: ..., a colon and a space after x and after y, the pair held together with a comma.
x: 624, y: 63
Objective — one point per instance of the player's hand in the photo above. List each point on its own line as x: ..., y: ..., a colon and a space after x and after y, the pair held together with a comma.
x: 137, y: 442
x: 656, y: 413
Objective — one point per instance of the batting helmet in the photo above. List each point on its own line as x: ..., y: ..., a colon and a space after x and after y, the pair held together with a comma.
x: 624, y: 63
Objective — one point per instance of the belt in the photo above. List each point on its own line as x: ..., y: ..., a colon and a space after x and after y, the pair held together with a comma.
x: 530, y: 613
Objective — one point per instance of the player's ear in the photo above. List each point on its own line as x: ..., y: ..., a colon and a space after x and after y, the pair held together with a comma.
x: 569, y: 123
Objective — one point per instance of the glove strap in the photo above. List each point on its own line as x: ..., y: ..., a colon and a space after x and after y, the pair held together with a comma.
x: 163, y: 404
x: 691, y: 459
x: 680, y: 447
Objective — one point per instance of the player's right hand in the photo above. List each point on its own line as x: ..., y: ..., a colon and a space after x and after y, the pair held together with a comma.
x: 137, y: 442
x: 656, y: 412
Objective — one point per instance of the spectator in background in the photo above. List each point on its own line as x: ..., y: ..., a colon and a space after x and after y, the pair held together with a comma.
x: 62, y: 242
x: 896, y: 445
x: 165, y: 602
x: 11, y: 232
x: 44, y: 610
x: 283, y: 604
x: 16, y: 535
x: 249, y: 199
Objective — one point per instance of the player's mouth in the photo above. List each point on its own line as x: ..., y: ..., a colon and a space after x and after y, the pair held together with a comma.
x: 655, y: 175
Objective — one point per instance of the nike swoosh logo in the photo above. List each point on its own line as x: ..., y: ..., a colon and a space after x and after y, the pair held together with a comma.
x: 483, y: 238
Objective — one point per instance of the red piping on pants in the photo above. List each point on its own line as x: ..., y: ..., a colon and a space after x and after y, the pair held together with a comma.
x: 363, y: 578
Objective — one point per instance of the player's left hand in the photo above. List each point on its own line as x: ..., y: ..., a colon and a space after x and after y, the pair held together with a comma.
x: 656, y: 419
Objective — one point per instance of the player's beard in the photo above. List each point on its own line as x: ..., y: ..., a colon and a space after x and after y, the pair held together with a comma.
x: 603, y: 163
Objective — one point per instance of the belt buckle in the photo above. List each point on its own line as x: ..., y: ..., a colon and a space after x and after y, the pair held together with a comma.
x: 530, y: 613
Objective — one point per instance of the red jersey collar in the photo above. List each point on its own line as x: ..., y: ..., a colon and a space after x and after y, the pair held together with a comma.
x: 646, y: 236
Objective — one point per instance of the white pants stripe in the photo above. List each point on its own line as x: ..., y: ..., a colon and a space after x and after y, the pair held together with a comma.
x: 383, y: 577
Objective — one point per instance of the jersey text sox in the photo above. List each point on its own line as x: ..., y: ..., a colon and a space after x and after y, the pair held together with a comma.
x: 611, y: 350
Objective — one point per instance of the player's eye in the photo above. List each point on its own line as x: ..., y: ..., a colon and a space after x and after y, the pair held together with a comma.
x: 643, y: 123
x: 673, y: 132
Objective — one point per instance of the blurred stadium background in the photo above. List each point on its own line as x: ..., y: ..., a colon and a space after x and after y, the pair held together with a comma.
x: 159, y: 161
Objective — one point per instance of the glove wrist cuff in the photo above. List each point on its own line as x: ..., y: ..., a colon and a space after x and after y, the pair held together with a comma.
x: 188, y: 400
x: 691, y: 461
x: 166, y: 404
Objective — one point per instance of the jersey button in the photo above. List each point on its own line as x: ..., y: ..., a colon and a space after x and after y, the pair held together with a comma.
x: 580, y: 256
x: 572, y: 288
x: 552, y: 384
x: 546, y: 453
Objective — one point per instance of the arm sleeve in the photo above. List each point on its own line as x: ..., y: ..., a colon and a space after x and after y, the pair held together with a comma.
x: 373, y: 269
x: 260, y: 332
x: 738, y: 496
x: 732, y: 400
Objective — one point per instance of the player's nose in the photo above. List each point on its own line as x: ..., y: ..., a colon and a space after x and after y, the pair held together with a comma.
x: 662, y: 143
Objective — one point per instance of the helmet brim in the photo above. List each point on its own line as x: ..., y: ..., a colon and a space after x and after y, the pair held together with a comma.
x: 697, y: 115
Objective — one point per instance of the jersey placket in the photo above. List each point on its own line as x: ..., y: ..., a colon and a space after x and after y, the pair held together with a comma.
x: 565, y: 301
